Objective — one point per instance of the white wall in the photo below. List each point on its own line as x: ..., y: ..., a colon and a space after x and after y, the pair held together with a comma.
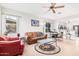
x: 25, y: 25
x: 25, y: 21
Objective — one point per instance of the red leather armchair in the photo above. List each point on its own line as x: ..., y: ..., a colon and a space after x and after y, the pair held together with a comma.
x: 11, y: 46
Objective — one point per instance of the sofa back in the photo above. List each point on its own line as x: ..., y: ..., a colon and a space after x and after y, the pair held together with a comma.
x: 31, y: 34
x: 12, y: 38
x: 40, y: 34
x: 34, y: 34
x: 5, y: 38
x: 1, y: 39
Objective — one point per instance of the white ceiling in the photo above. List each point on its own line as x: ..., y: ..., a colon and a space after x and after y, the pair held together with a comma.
x: 38, y: 9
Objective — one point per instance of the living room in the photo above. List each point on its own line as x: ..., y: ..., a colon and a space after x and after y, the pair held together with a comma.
x: 36, y: 25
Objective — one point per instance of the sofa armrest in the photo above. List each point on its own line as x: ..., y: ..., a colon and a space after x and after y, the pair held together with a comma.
x: 21, y: 48
x: 22, y: 43
x: 45, y: 35
x: 29, y: 38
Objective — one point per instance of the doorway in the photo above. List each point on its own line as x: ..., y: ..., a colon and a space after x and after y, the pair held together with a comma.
x: 76, y: 29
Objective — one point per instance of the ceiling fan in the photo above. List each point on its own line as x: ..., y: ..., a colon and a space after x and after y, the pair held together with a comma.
x: 53, y: 7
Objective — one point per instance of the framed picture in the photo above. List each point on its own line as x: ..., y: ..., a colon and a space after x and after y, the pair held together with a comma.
x: 34, y: 22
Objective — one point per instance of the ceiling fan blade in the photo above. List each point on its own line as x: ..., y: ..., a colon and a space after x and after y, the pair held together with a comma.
x: 53, y: 11
x: 59, y: 6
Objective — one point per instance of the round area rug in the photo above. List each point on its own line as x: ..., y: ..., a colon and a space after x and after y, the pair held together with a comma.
x: 47, y: 49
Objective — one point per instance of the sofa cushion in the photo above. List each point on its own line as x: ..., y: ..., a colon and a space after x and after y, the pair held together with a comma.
x: 12, y: 38
x: 5, y: 38
x: 29, y: 34
x: 34, y: 34
x: 1, y: 39
x: 6, y: 42
x: 40, y: 34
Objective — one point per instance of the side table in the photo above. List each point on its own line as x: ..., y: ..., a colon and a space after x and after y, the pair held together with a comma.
x: 23, y: 39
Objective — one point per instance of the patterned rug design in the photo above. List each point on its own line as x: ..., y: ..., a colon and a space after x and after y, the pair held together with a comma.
x: 47, y: 49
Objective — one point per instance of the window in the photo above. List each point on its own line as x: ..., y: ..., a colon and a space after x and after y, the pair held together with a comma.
x: 10, y: 24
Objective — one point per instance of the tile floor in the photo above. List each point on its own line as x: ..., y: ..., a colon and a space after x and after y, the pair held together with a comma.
x: 68, y: 48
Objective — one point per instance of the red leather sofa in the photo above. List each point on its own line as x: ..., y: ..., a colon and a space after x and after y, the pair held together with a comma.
x: 11, y: 46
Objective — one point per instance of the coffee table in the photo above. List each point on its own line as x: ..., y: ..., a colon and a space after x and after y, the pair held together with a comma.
x: 47, y: 46
x: 48, y: 40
